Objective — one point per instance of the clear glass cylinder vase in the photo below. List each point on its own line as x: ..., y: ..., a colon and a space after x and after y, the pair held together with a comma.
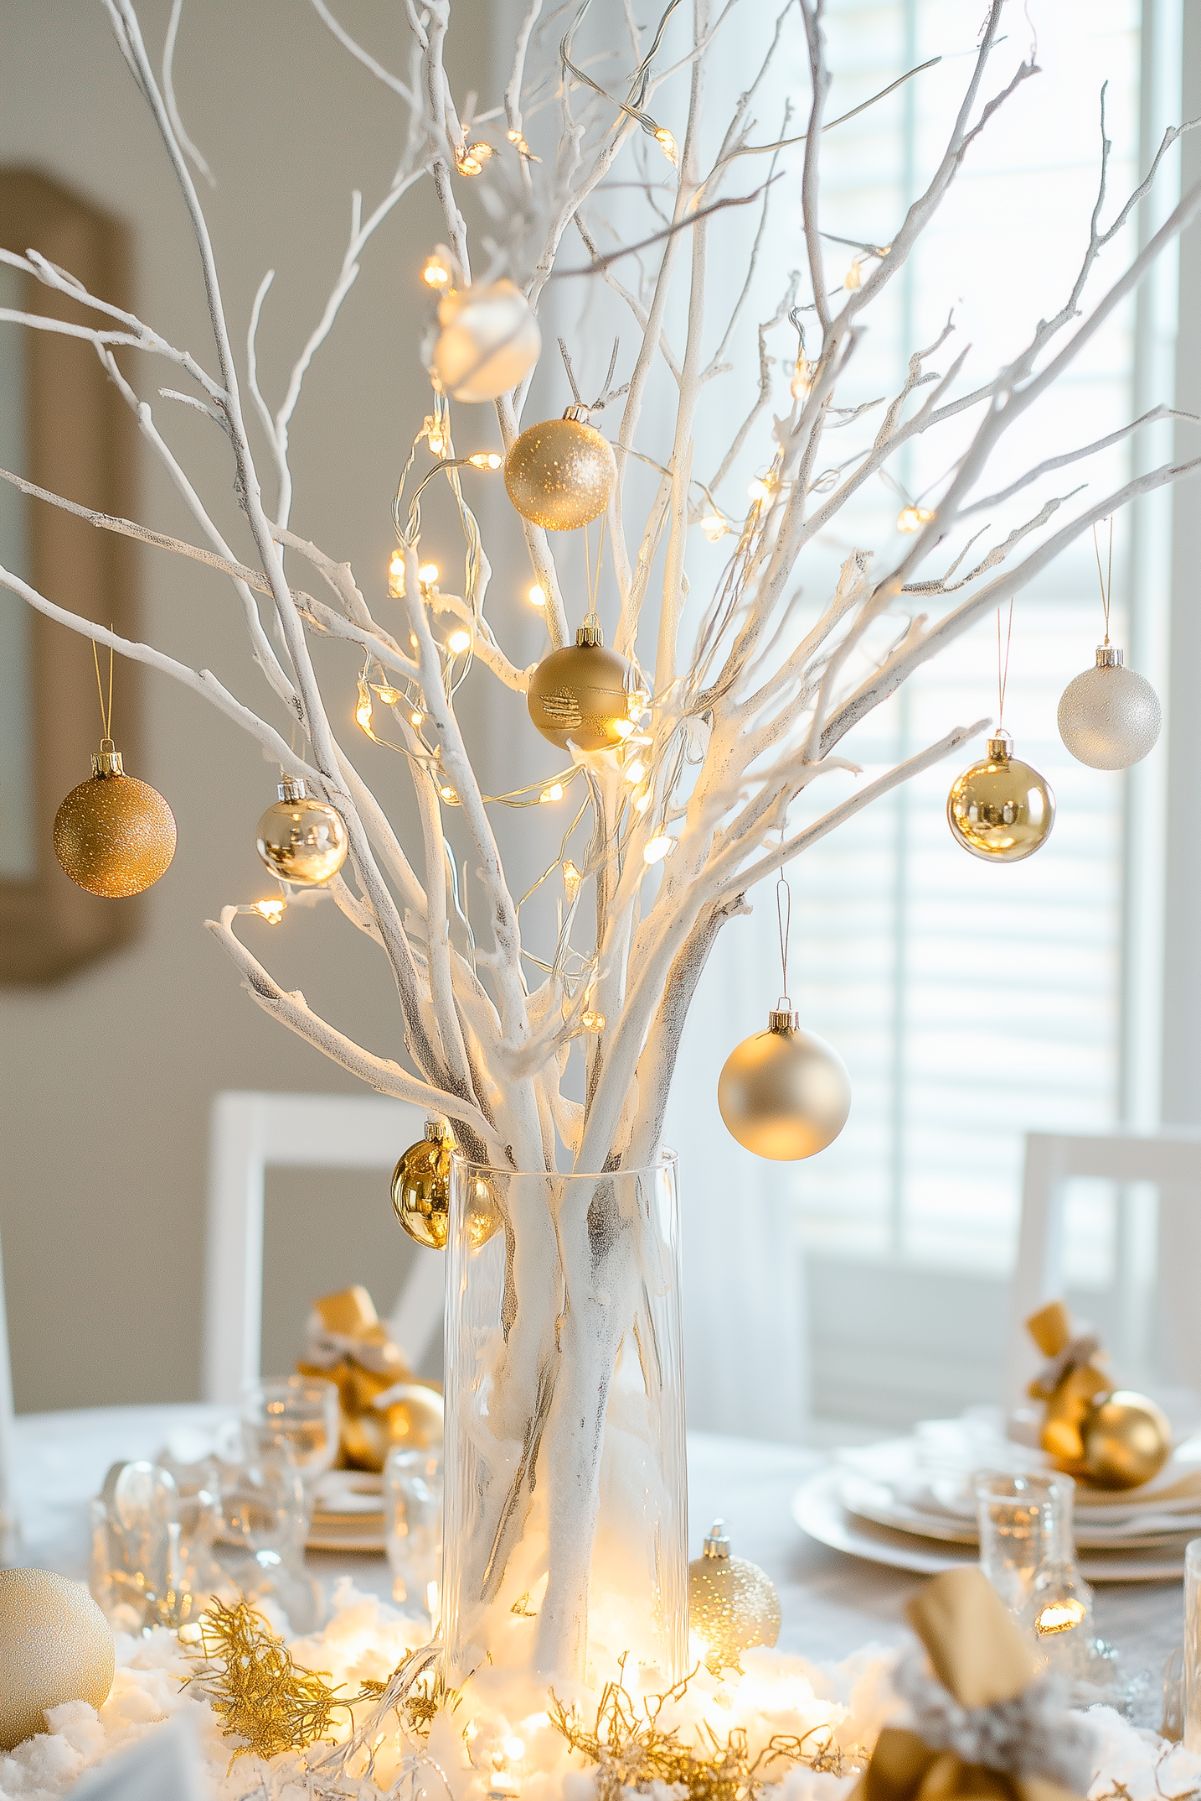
x: 566, y: 1530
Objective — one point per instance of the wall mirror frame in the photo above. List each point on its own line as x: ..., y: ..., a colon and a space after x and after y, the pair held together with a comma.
x: 68, y: 429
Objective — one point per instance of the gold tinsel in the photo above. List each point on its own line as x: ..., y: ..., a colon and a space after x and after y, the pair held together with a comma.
x: 631, y: 1749
x: 258, y: 1693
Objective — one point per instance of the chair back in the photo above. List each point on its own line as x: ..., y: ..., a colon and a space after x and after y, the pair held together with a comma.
x: 252, y: 1133
x: 1168, y: 1160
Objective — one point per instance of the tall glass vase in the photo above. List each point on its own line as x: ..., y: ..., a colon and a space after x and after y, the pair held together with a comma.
x: 566, y: 1480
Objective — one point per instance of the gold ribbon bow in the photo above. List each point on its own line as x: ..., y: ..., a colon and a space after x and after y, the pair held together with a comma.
x: 382, y: 1403
x: 1068, y: 1384
x: 981, y: 1658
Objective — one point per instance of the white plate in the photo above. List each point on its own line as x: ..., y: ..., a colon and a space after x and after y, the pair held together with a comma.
x: 876, y: 1502
x: 818, y: 1510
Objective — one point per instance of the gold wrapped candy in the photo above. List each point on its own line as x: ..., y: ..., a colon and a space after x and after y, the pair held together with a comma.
x: 382, y: 1402
x: 980, y: 1657
x: 1109, y: 1437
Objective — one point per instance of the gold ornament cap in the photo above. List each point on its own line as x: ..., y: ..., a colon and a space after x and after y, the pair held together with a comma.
x: 107, y: 760
x: 1110, y: 657
x: 1000, y: 746
x: 292, y: 787
x: 782, y: 1019
x: 717, y: 1540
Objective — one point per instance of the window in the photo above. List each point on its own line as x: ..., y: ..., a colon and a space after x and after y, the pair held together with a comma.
x: 974, y: 1003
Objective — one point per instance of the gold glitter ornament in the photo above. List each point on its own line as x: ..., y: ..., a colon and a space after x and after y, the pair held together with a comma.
x: 1001, y: 809
x: 114, y: 835
x: 1127, y: 1439
x: 302, y: 840
x: 560, y: 473
x: 732, y: 1604
x: 421, y: 1192
x: 55, y: 1646
x: 784, y: 1094
x: 583, y: 695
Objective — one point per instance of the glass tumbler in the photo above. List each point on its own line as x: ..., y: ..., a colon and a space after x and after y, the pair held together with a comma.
x: 413, y: 1527
x: 1025, y: 1524
x: 299, y: 1417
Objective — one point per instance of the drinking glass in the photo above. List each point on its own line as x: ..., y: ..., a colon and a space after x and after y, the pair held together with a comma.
x: 413, y: 1526
x: 264, y: 1521
x: 1192, y: 1645
x: 299, y: 1416
x: 1025, y: 1524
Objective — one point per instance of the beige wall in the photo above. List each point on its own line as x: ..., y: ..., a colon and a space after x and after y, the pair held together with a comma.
x: 106, y: 1080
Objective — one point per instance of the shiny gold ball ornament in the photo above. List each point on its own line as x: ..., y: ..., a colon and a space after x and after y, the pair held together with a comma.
x: 421, y: 1192
x: 784, y: 1094
x: 560, y: 473
x: 114, y: 835
x: 583, y: 695
x: 1109, y: 716
x: 1001, y: 809
x: 55, y: 1646
x: 488, y: 340
x: 421, y: 1187
x: 302, y: 840
x: 1127, y: 1440
x: 732, y: 1604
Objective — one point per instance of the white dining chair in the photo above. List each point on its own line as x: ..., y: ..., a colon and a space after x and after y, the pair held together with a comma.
x: 252, y: 1133
x: 1169, y: 1160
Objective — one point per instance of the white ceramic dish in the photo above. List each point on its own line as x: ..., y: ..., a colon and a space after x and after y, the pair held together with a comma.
x: 818, y: 1509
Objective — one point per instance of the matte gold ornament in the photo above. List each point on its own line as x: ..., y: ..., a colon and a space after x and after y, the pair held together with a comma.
x: 55, y: 1646
x: 732, y: 1604
x: 114, y: 835
x: 1001, y: 809
x: 421, y: 1192
x: 1109, y: 716
x: 302, y: 840
x: 488, y: 341
x: 784, y: 1094
x: 1127, y: 1440
x: 583, y: 695
x: 560, y: 473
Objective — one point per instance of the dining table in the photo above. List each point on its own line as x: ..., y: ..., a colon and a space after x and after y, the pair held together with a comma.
x: 832, y: 1604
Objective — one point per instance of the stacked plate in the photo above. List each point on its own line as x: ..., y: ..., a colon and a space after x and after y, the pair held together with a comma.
x: 348, y: 1514
x: 908, y: 1502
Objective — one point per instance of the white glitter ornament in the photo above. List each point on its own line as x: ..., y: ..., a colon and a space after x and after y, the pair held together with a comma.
x: 488, y: 341
x: 1109, y: 716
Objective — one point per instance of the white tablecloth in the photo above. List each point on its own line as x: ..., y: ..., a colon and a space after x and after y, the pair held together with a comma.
x: 832, y: 1604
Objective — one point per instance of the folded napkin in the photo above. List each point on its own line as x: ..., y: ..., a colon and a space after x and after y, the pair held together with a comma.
x: 985, y: 1729
x: 382, y: 1402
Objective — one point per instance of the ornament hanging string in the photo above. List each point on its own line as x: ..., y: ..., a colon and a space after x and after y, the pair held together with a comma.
x: 784, y: 926
x: 1003, y: 663
x: 106, y: 710
x: 1105, y: 577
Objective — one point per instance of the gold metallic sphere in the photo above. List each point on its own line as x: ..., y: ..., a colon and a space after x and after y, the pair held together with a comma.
x: 784, y: 1094
x: 1001, y: 809
x: 421, y: 1193
x: 414, y: 1417
x: 582, y: 695
x: 560, y: 474
x: 488, y: 341
x: 55, y: 1646
x: 732, y: 1604
x: 114, y: 835
x: 421, y: 1187
x: 1127, y: 1440
x: 302, y: 840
